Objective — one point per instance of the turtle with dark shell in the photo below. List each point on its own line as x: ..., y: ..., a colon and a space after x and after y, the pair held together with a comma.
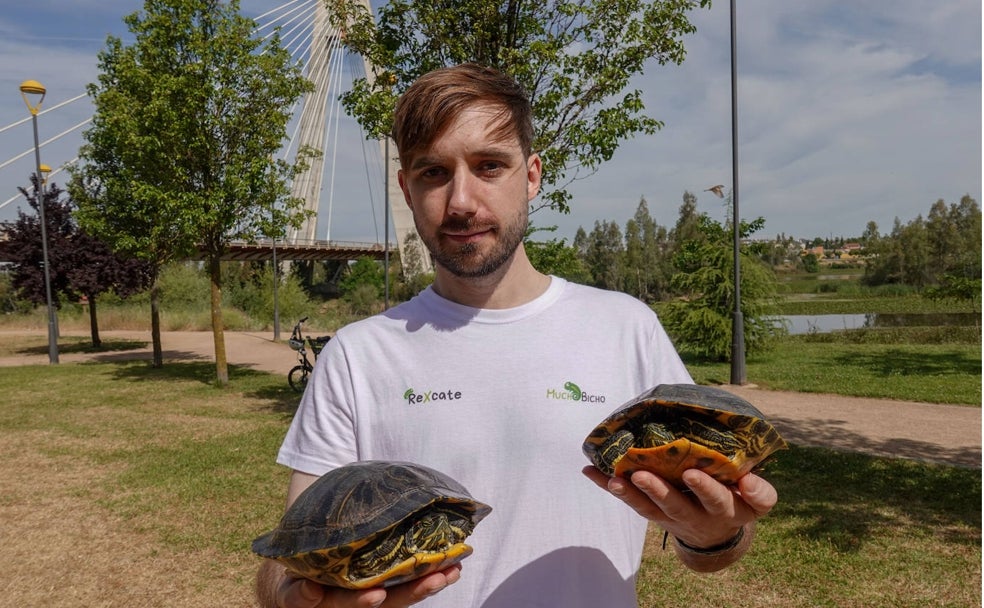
x: 675, y: 427
x: 374, y: 523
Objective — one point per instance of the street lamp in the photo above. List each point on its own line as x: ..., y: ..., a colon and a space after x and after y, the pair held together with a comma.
x: 737, y: 322
x: 34, y: 91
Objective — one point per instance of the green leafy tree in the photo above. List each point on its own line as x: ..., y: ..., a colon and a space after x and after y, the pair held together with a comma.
x: 364, y: 272
x: 179, y: 157
x: 688, y: 224
x: 870, y: 234
x: 647, y: 263
x: 902, y: 257
x: 605, y: 255
x: 555, y: 257
x: 957, y: 288
x: 811, y: 263
x: 634, y: 265
x: 934, y: 252
x: 575, y: 58
x: 700, y: 321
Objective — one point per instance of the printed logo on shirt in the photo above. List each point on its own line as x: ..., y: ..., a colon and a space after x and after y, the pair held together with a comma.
x: 412, y: 397
x: 573, y: 392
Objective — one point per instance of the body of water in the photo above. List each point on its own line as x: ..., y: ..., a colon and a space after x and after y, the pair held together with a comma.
x: 804, y: 324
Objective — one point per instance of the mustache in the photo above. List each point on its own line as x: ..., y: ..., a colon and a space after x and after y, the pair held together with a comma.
x: 465, y: 224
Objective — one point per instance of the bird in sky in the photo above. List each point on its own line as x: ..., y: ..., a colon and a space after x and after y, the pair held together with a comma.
x: 718, y: 190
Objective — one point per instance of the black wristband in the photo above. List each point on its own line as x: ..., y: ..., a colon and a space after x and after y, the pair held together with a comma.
x: 727, y: 545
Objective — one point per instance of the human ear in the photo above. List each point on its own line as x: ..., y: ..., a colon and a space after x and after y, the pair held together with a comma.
x: 534, y: 170
x: 403, y: 186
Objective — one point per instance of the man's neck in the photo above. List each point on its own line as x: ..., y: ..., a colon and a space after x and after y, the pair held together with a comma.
x: 514, y: 284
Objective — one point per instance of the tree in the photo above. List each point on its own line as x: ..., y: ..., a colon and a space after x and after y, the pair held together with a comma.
x: 556, y: 257
x: 179, y: 158
x: 936, y: 251
x: 22, y: 245
x: 688, y: 225
x: 651, y: 262
x: 574, y: 57
x: 635, y: 282
x: 364, y: 272
x: 870, y: 234
x: 81, y: 265
x: 810, y: 263
x: 700, y: 322
x: 605, y: 254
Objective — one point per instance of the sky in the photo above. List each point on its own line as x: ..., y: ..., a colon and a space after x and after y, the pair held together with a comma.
x: 848, y: 112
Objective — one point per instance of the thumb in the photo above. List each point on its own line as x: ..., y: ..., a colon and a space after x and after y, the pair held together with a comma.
x: 302, y: 593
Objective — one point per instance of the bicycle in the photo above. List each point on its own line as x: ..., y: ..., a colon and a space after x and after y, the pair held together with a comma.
x: 297, y: 377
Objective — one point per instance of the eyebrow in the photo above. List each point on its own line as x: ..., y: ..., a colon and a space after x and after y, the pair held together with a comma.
x: 494, y: 152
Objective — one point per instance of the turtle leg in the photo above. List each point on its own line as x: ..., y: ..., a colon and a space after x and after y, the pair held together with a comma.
x: 612, y: 450
x: 380, y: 556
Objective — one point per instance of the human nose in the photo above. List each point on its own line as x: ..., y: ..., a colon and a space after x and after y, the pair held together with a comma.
x: 461, y: 199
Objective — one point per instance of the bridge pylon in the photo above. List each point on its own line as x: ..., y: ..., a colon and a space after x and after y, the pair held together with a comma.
x: 311, y: 133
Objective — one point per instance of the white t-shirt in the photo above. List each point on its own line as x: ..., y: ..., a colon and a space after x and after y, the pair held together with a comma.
x: 500, y: 400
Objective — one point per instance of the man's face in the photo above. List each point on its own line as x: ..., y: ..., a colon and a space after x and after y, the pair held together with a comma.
x: 470, y: 193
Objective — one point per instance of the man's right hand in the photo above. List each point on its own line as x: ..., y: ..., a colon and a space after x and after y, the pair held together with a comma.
x: 292, y: 592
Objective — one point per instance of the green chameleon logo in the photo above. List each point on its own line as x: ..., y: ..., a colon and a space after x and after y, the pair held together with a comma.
x: 574, y: 389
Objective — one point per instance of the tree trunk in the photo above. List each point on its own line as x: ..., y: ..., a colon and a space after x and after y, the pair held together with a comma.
x: 93, y: 322
x: 155, y: 324
x: 218, y: 332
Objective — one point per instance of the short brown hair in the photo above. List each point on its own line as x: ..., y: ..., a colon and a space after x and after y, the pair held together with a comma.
x: 435, y: 99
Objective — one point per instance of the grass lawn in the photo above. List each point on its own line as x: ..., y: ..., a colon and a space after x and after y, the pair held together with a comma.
x: 129, y: 486
x: 932, y: 373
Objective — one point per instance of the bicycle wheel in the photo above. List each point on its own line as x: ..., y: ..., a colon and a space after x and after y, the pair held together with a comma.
x: 297, y: 377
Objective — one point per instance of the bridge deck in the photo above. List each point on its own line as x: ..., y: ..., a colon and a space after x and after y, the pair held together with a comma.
x: 307, y: 251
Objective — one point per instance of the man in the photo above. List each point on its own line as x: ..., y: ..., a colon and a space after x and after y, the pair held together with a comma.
x: 476, y: 377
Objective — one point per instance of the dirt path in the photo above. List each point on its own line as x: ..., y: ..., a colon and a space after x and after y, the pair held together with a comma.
x: 938, y: 433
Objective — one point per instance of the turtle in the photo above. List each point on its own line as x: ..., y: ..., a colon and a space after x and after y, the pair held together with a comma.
x: 674, y: 427
x: 374, y: 523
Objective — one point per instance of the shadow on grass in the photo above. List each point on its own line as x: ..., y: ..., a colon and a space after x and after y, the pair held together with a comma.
x: 847, y: 499
x: 271, y: 390
x: 833, y: 434
x: 897, y: 362
x: 69, y: 345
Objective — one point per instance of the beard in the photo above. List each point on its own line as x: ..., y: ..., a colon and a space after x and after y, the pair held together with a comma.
x: 468, y: 260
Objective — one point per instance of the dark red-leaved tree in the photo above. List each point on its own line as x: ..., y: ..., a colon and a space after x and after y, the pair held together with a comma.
x: 81, y: 266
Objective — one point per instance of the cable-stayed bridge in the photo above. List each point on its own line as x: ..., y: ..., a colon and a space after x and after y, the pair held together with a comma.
x: 352, y: 188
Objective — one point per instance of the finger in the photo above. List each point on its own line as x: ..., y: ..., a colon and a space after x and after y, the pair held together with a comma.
x: 716, y: 498
x: 596, y: 476
x: 627, y: 492
x: 758, y: 494
x: 418, y: 590
x: 300, y: 593
x: 648, y: 494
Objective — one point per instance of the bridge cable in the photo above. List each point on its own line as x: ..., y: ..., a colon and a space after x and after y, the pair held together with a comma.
x: 43, y: 112
x: 46, y: 142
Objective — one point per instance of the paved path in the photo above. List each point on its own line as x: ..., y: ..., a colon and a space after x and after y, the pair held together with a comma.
x: 939, y: 433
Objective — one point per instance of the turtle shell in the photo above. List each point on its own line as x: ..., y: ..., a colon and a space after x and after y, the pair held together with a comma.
x: 374, y: 523
x: 675, y: 427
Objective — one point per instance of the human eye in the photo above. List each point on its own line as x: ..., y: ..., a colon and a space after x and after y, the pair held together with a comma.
x: 491, y: 168
x: 432, y: 173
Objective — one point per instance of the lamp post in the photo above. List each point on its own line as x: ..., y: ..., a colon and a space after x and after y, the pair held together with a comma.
x: 737, y: 321
x: 34, y: 90
x: 276, y: 280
